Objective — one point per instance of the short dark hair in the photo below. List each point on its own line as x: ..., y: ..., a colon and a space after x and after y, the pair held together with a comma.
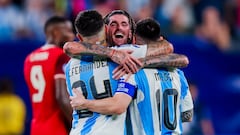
x: 54, y: 20
x: 148, y: 29
x: 88, y: 22
x: 121, y: 12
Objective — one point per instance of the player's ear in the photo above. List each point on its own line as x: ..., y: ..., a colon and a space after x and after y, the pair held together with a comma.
x: 134, y: 40
x: 79, y: 37
x: 160, y: 38
x: 130, y: 37
x: 130, y: 34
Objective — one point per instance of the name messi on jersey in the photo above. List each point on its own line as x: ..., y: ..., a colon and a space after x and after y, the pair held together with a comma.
x: 165, y: 76
x: 77, y: 69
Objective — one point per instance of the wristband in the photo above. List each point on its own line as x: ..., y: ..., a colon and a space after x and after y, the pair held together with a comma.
x: 112, y: 53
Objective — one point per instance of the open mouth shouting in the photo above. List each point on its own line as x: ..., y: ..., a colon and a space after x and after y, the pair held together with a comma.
x: 119, y: 35
x: 119, y: 38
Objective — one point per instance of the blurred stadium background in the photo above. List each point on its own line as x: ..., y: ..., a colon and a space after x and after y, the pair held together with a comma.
x: 207, y: 31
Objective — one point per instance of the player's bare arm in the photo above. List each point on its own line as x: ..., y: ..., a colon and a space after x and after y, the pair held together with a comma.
x: 187, y: 116
x: 131, y: 65
x: 62, y: 98
x: 159, y: 47
x: 82, y: 48
x: 73, y: 49
x: 122, y: 57
x: 171, y: 60
x: 77, y: 48
x: 168, y: 60
x: 112, y: 105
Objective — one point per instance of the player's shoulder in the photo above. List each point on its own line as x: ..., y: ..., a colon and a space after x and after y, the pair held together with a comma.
x: 73, y: 61
x: 179, y: 71
x: 50, y: 47
x: 44, y: 53
x: 31, y: 54
x: 172, y: 69
x: 47, y: 48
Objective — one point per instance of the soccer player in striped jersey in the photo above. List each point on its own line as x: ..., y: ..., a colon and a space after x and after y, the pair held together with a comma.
x: 163, y: 98
x: 45, y: 78
x: 93, y: 79
x: 162, y: 102
x: 85, y: 75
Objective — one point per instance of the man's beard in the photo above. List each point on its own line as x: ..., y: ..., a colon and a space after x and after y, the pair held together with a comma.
x: 109, y: 40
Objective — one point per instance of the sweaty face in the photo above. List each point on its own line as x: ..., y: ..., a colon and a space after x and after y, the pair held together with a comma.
x: 119, y: 30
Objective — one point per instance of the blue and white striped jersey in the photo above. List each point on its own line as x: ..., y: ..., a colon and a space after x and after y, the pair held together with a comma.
x: 94, y: 80
x: 161, y: 97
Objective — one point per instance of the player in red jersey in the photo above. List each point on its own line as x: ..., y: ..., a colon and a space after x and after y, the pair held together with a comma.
x: 44, y: 75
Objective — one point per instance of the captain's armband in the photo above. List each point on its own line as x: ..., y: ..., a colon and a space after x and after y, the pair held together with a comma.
x: 126, y: 88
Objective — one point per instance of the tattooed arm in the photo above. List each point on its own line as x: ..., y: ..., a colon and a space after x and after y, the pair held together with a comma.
x: 75, y: 49
x: 79, y: 48
x: 159, y: 48
x: 167, y: 60
x: 156, y: 55
x: 160, y: 54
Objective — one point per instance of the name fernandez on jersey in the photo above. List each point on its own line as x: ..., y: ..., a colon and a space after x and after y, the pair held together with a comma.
x: 77, y: 69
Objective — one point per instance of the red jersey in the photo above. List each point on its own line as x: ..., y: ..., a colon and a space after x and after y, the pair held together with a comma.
x: 40, y: 69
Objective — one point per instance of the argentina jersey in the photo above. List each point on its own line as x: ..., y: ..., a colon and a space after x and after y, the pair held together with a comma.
x: 161, y: 97
x: 94, y: 80
x: 139, y: 51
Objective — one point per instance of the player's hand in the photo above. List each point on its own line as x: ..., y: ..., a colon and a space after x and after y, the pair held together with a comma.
x: 78, y: 100
x: 120, y: 71
x: 129, y: 63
